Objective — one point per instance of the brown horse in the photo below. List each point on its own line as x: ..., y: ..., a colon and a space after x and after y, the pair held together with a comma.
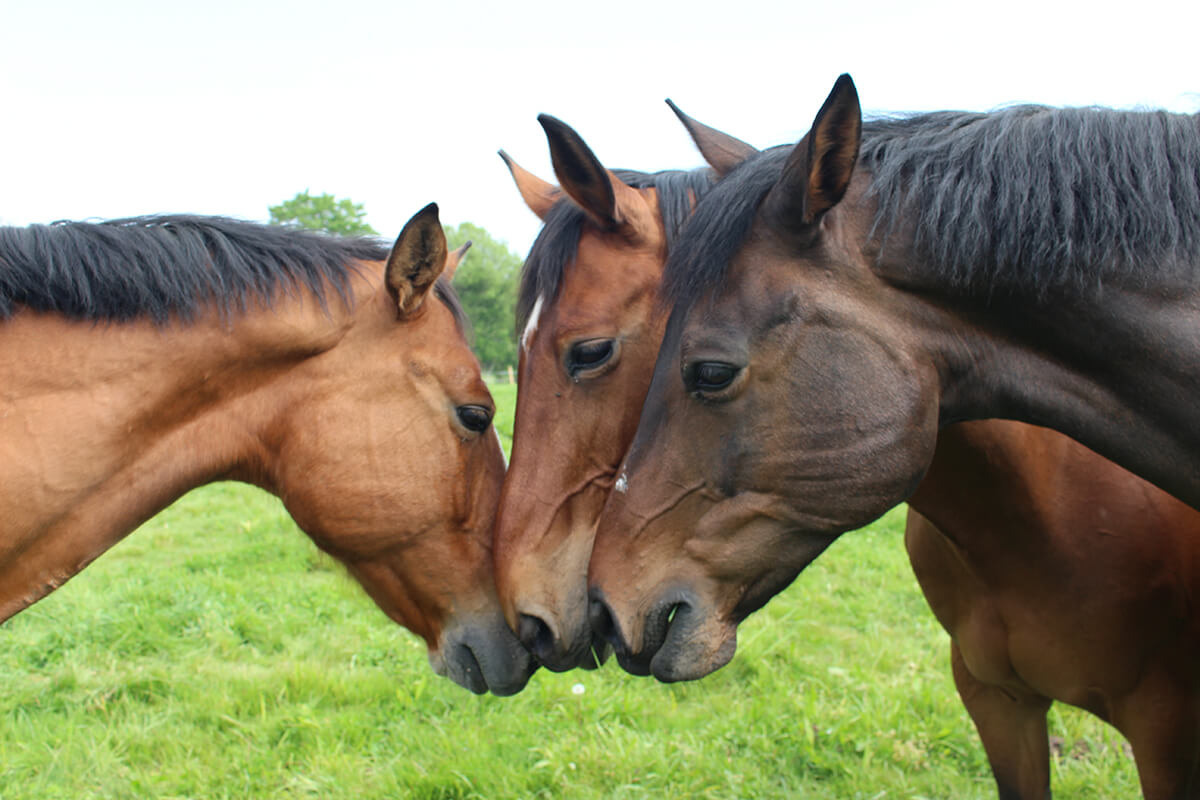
x: 1061, y: 576
x: 831, y: 312
x: 589, y: 333
x: 144, y: 357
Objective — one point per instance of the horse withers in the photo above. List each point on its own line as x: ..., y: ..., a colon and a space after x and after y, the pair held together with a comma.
x: 144, y: 357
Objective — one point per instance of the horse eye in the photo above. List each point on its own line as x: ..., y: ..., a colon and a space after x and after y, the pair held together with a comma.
x: 475, y: 418
x: 712, y: 376
x: 589, y: 355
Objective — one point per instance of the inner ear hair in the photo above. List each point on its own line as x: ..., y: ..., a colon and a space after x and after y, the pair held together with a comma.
x: 416, y: 260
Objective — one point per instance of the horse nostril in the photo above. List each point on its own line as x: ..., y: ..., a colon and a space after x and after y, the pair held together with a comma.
x: 535, y: 634
x: 604, y: 627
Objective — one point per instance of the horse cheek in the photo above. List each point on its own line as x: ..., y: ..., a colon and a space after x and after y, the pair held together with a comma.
x: 870, y: 445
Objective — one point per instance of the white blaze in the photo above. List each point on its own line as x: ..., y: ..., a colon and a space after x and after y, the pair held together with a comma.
x: 531, y: 326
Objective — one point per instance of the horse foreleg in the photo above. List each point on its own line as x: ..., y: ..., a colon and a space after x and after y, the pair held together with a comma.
x: 1013, y: 730
x: 1161, y: 720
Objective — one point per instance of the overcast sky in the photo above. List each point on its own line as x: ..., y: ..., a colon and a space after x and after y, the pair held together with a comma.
x: 228, y: 106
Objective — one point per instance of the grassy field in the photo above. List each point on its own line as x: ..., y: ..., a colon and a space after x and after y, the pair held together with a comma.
x: 217, y: 654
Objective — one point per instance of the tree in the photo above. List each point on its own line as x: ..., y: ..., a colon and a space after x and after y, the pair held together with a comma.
x: 486, y: 282
x: 322, y: 212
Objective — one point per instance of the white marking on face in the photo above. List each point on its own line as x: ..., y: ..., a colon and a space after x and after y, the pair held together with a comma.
x: 622, y: 484
x: 531, y: 326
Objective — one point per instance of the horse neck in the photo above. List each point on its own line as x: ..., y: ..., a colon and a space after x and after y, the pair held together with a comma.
x: 992, y: 484
x: 113, y: 422
x: 1113, y: 369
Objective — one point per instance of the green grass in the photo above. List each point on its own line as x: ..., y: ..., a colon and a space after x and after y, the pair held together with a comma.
x: 505, y: 396
x: 217, y: 654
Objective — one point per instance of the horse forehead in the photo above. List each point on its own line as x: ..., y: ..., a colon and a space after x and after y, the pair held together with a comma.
x: 612, y: 258
x: 604, y: 284
x: 773, y: 275
x: 750, y: 299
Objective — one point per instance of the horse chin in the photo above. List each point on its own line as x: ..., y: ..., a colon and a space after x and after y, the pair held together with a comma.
x: 592, y: 657
x: 483, y: 656
x: 681, y: 641
x: 559, y: 642
x: 697, y: 643
x: 582, y: 657
x: 459, y: 665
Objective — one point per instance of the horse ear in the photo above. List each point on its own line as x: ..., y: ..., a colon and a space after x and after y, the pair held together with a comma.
x: 417, y: 259
x: 722, y: 151
x: 455, y: 258
x: 539, y: 195
x: 610, y: 202
x: 819, y: 169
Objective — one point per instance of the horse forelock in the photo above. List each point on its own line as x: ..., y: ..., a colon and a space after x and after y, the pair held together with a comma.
x: 722, y: 219
x: 1027, y: 198
x: 171, y: 266
x: 557, y: 243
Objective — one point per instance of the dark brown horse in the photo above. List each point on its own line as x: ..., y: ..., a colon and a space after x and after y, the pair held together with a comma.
x: 144, y: 357
x: 1061, y: 576
x: 831, y: 312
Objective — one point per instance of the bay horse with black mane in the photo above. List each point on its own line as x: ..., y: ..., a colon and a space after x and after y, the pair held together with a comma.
x: 143, y: 357
x: 1059, y: 575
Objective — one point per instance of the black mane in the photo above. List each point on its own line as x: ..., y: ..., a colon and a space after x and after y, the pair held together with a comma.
x: 1028, y: 198
x: 160, y: 267
x: 557, y: 243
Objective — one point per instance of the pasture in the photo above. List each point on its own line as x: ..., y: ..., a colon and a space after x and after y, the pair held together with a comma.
x: 216, y: 653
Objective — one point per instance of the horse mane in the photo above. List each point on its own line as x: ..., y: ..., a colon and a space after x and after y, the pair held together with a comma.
x: 1026, y: 198
x: 166, y: 266
x: 557, y: 243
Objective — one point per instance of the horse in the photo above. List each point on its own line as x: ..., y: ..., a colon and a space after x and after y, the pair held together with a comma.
x: 1061, y: 576
x: 146, y: 356
x: 831, y: 311
x: 1111, y: 555
x: 579, y: 327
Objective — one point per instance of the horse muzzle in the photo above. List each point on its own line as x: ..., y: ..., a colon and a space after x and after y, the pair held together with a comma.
x: 679, y: 641
x: 483, y: 655
x: 560, y: 653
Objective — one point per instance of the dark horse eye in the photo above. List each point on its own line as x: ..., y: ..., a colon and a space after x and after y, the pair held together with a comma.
x: 712, y: 376
x: 589, y: 355
x: 475, y: 418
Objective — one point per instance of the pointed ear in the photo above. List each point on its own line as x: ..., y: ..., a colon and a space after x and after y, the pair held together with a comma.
x: 579, y: 172
x: 819, y: 169
x: 610, y: 202
x: 722, y: 151
x: 455, y: 258
x: 539, y: 195
x: 417, y: 259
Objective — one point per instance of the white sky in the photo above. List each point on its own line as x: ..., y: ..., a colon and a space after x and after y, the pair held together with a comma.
x: 130, y: 107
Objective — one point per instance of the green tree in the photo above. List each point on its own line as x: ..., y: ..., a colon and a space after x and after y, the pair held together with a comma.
x: 322, y: 212
x: 486, y: 282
